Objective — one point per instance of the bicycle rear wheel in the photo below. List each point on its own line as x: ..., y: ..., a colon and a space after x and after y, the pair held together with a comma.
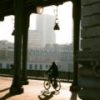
x: 58, y: 85
x: 47, y: 84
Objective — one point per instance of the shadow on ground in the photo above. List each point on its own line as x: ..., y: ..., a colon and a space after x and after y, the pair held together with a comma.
x: 5, y: 96
x: 4, y: 89
x: 46, y: 95
x: 8, y: 95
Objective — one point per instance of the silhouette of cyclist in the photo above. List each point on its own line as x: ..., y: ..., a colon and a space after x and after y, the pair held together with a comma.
x: 53, y: 73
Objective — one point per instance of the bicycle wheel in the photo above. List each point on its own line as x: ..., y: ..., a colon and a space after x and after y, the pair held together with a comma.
x: 58, y: 85
x: 47, y: 84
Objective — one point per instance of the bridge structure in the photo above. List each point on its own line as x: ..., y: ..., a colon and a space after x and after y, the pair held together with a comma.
x: 22, y: 9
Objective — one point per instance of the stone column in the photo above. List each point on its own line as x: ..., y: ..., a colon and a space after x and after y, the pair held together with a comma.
x: 76, y: 32
x: 24, y: 80
x: 16, y: 87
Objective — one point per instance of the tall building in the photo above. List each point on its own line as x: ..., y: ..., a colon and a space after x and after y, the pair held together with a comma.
x: 34, y: 39
x: 44, y: 33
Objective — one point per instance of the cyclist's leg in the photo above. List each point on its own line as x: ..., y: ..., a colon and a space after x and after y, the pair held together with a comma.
x: 50, y: 78
x: 55, y: 82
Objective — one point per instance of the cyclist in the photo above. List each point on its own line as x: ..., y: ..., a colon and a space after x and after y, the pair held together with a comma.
x: 53, y: 73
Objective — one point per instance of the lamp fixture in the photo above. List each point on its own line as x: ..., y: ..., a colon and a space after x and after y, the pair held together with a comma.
x: 39, y: 9
x: 56, y: 26
x: 13, y: 33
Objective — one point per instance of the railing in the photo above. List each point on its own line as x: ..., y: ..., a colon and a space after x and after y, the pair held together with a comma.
x: 41, y: 75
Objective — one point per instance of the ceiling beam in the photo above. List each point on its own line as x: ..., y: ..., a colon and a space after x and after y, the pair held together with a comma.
x: 7, y: 6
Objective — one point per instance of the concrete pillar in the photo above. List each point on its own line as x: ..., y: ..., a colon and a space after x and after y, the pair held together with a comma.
x: 16, y: 87
x: 76, y: 31
x: 24, y: 80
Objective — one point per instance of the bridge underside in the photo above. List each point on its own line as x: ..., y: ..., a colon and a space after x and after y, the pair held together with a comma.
x: 7, y: 6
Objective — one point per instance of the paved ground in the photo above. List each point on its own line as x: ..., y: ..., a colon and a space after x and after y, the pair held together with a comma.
x: 35, y: 91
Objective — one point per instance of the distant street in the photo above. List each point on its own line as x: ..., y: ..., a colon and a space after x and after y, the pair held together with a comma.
x: 34, y: 91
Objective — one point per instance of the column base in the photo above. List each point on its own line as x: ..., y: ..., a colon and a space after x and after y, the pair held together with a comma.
x: 24, y: 81
x: 74, y: 88
x: 16, y: 87
x: 14, y: 90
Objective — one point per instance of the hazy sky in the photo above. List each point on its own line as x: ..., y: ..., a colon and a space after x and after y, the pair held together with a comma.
x: 64, y: 35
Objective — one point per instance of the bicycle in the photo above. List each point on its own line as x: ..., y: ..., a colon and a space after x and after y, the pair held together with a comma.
x: 48, y: 83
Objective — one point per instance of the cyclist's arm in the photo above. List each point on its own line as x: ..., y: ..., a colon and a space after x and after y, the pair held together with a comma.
x: 50, y: 69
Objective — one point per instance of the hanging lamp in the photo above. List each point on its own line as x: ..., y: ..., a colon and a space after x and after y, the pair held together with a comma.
x: 56, y: 26
x: 39, y: 9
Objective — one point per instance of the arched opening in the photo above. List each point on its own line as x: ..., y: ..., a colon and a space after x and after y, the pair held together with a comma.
x: 19, y: 40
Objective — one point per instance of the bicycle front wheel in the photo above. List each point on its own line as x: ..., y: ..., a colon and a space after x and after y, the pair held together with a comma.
x: 47, y: 84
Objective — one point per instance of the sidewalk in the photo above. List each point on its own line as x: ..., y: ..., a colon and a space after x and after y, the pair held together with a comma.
x: 34, y: 91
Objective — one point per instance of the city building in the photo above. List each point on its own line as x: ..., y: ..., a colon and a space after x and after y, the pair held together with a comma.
x: 6, y: 54
x: 40, y: 59
x: 61, y: 54
x: 44, y: 33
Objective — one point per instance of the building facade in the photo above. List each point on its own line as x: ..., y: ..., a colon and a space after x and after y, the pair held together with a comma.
x: 41, y: 59
x: 43, y: 34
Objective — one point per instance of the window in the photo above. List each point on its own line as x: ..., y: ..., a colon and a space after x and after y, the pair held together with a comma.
x: 30, y: 66
x: 7, y: 66
x: 35, y: 66
x: 47, y: 66
x: 0, y: 65
x: 40, y: 66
